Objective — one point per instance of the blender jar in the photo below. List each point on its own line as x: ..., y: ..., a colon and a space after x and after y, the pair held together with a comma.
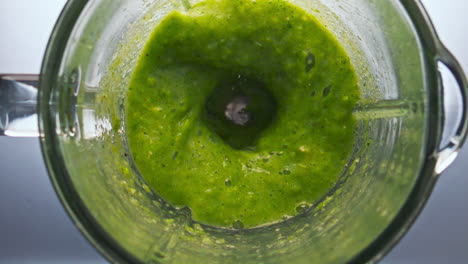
x: 411, y: 124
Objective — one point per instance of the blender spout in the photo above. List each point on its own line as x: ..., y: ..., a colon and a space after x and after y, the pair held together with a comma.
x: 18, y: 105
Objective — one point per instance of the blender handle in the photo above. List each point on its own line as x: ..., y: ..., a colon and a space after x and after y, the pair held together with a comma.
x: 18, y: 105
x: 454, y: 86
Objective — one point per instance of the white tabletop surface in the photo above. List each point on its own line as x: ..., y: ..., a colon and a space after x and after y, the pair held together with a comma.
x: 35, y: 229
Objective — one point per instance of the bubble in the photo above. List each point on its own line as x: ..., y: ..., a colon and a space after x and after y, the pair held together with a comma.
x: 327, y: 90
x: 414, y: 107
x: 310, y: 62
x: 302, y: 208
x: 238, y: 224
x: 227, y: 182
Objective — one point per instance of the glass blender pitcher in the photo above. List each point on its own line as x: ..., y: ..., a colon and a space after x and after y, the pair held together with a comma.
x: 411, y: 123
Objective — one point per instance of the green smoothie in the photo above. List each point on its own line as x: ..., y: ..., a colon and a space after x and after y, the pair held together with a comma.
x: 241, y: 110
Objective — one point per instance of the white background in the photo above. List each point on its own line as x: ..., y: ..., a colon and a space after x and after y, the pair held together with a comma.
x: 35, y: 229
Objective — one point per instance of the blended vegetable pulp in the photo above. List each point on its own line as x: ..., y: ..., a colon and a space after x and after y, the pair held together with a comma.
x: 242, y: 111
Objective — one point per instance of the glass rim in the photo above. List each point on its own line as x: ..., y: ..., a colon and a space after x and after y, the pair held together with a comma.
x: 113, y: 252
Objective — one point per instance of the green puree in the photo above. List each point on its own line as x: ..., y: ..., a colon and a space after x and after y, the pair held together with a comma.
x: 242, y: 111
